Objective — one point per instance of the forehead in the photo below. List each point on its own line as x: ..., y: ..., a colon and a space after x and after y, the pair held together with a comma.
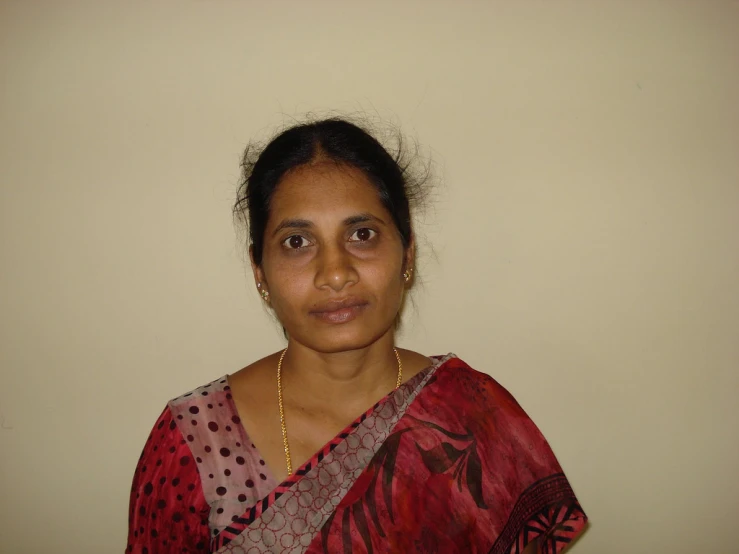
x: 322, y: 190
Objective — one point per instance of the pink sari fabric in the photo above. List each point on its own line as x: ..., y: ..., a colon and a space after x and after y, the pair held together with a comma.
x: 448, y: 463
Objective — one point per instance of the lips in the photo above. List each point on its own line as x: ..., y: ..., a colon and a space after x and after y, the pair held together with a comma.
x: 339, y: 304
x: 340, y: 310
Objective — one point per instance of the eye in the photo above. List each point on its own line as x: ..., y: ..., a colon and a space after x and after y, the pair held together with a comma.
x: 295, y: 242
x: 362, y: 235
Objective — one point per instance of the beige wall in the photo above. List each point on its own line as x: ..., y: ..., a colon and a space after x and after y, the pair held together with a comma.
x: 585, y: 238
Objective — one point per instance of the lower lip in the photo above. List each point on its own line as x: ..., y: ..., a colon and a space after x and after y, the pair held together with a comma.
x: 344, y: 315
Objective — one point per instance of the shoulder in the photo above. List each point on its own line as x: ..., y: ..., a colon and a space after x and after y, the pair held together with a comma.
x: 457, y: 377
x: 206, y: 417
x: 490, y: 408
x: 199, y: 398
x: 414, y: 362
x: 218, y: 393
x: 478, y: 401
x: 252, y: 385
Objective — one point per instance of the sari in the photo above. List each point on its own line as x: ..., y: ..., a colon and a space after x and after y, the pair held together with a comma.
x: 449, y: 462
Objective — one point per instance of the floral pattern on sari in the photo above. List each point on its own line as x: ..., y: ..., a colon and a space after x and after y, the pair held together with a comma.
x: 465, y: 470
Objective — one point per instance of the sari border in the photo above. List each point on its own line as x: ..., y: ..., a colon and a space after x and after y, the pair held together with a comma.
x: 262, y: 526
x: 548, y: 509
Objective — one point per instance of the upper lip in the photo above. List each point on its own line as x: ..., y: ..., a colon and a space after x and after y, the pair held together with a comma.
x: 338, y: 304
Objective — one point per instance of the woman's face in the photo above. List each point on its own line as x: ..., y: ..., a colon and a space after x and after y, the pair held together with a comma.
x: 333, y: 259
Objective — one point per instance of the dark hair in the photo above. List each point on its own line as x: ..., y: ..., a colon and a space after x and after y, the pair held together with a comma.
x: 337, y: 140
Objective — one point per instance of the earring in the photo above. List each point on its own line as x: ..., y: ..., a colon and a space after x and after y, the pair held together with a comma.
x: 263, y: 293
x: 407, y: 274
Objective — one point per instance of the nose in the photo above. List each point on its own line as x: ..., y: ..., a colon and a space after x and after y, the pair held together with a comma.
x: 335, y: 268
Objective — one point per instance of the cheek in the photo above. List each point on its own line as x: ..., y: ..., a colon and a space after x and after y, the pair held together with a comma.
x: 291, y: 281
x: 382, y: 278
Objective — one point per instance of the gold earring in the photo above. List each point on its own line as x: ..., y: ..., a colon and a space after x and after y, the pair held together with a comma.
x: 407, y: 274
x: 264, y: 293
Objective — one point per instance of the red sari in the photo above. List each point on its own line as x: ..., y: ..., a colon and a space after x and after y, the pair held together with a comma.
x: 449, y: 462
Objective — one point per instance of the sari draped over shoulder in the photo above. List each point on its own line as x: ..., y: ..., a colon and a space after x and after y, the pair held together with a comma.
x: 449, y: 462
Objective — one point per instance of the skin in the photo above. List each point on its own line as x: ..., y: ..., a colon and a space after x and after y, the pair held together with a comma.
x: 328, y: 238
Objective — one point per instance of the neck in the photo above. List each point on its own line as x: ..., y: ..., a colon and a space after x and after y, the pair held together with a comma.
x: 341, y: 379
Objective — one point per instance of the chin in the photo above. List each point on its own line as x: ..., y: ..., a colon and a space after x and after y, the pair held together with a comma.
x: 333, y: 340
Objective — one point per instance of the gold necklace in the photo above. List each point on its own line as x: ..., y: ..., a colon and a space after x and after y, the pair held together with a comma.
x: 288, y: 460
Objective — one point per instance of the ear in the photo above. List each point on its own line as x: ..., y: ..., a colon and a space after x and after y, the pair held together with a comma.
x: 257, y: 270
x: 409, y: 257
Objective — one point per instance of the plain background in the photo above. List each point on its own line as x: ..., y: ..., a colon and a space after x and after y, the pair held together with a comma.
x: 582, y: 247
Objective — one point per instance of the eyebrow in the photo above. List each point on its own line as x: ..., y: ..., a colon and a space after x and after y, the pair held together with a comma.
x: 293, y: 224
x: 305, y: 224
x: 362, y: 218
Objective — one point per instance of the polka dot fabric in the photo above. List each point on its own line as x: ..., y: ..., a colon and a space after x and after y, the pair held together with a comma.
x: 199, y: 445
x: 233, y: 476
x: 168, y: 512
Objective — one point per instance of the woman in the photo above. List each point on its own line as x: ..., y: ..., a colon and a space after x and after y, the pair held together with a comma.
x: 343, y: 442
